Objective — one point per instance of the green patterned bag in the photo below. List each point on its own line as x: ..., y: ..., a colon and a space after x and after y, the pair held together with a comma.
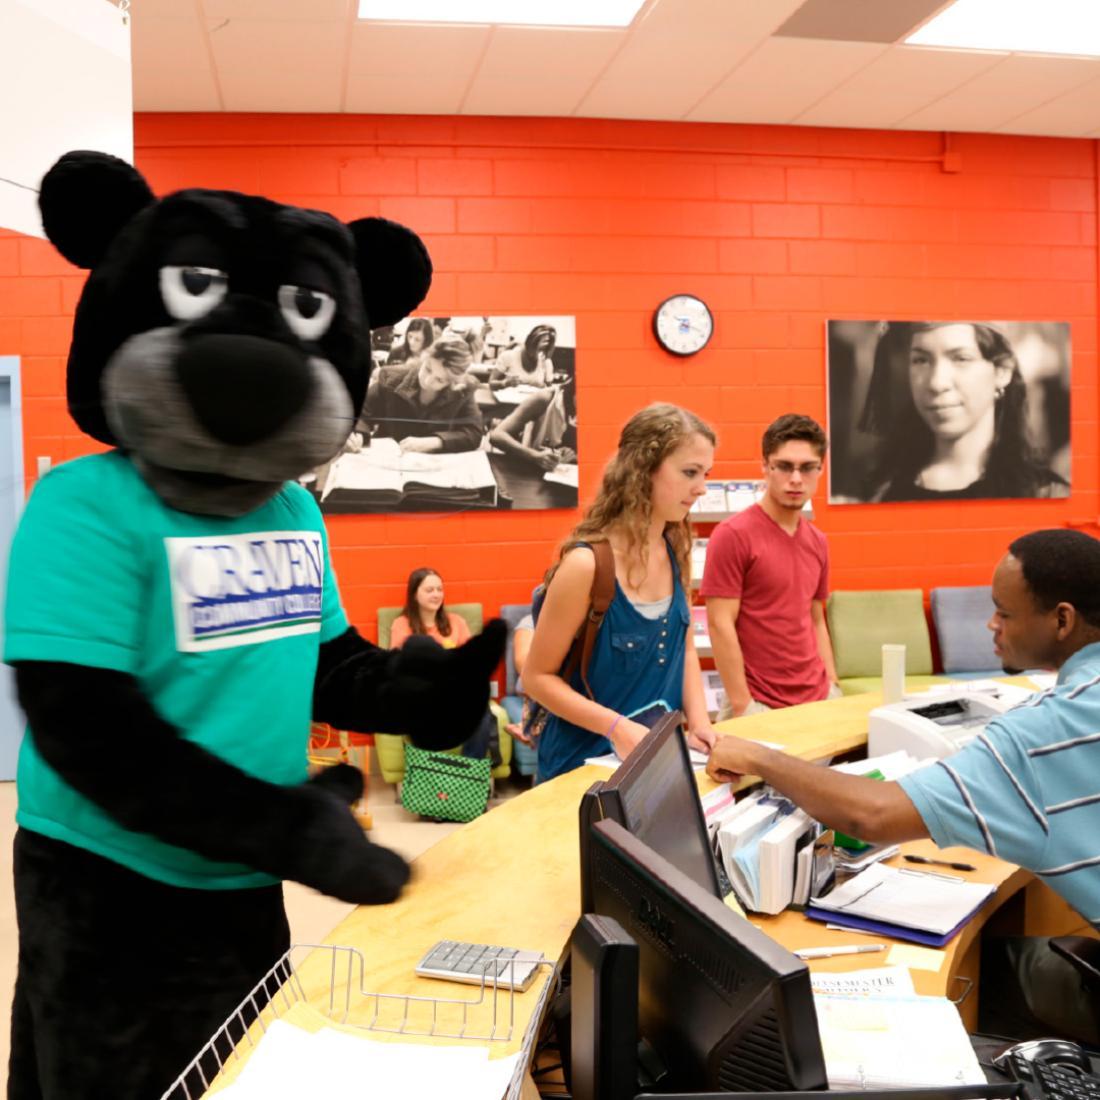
x: 441, y: 784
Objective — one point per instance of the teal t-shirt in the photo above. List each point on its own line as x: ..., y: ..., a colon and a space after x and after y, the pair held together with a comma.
x: 219, y: 621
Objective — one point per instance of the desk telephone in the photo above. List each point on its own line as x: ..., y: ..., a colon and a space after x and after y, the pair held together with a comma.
x: 1051, y: 1069
x: 936, y: 726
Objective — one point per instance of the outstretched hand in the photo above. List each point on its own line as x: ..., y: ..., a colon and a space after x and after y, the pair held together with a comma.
x: 327, y: 849
x: 728, y: 760
x: 439, y: 696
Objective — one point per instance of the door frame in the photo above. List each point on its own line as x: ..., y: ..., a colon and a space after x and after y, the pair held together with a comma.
x: 10, y: 368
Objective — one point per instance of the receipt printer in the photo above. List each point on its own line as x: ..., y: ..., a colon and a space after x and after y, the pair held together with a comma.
x: 931, y: 727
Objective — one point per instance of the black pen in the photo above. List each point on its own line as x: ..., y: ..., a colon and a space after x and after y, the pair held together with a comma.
x: 941, y: 863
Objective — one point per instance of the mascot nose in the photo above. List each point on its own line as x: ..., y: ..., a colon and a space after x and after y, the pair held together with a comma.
x: 242, y: 389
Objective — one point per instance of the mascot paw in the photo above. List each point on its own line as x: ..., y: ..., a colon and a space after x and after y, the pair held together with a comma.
x: 342, y: 780
x: 444, y: 693
x: 329, y: 852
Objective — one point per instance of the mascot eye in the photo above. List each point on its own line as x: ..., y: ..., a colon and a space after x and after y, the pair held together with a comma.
x: 308, y: 312
x: 191, y: 292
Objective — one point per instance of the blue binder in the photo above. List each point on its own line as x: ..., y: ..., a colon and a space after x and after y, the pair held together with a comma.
x: 894, y: 931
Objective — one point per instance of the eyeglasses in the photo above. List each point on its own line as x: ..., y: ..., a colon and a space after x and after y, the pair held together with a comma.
x: 806, y: 469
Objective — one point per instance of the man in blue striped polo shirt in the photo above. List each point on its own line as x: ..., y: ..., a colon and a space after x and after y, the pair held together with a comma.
x: 1026, y: 790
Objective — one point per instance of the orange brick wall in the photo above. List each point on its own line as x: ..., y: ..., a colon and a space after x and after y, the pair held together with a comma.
x: 777, y: 228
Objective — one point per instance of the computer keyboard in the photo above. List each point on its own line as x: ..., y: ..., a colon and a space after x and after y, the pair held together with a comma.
x: 472, y: 962
x: 1051, y: 1082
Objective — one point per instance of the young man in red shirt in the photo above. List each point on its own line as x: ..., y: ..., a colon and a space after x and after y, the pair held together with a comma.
x: 765, y: 583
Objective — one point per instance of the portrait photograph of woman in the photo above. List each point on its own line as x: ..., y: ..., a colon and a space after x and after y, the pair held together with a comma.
x: 948, y: 410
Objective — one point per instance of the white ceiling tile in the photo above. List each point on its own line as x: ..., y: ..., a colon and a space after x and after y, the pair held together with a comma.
x: 280, y: 66
x: 171, y: 64
x: 505, y: 70
x: 1072, y: 114
x: 182, y: 10
x: 783, y: 78
x: 677, y: 53
x: 159, y: 89
x: 314, y: 10
x: 516, y: 51
x: 372, y: 95
x: 702, y: 60
x: 1017, y: 84
x: 409, y: 69
x: 897, y: 83
x: 653, y: 77
x: 852, y: 110
x: 721, y: 19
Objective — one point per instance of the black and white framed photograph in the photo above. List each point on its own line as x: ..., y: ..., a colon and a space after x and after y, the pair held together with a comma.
x: 948, y: 410
x: 471, y: 412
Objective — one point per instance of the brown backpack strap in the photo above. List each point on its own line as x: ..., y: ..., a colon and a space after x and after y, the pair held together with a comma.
x: 603, y: 592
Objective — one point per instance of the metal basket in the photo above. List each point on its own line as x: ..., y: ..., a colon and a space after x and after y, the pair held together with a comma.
x: 392, y: 1013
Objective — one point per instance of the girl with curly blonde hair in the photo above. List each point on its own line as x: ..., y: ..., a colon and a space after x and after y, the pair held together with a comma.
x: 643, y: 654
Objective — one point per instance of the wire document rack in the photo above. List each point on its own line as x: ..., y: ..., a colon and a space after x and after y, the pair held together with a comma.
x: 349, y: 1003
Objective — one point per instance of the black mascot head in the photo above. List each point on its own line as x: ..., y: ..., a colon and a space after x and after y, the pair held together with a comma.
x: 222, y: 340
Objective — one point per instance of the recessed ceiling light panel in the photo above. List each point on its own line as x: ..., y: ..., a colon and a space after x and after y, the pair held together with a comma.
x: 545, y: 13
x: 1023, y: 26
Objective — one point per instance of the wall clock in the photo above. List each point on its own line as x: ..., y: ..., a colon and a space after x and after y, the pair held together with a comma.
x: 682, y: 324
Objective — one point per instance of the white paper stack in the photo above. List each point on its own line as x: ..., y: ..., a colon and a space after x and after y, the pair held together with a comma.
x: 698, y: 556
x: 738, y: 844
x: 713, y: 500
x: 564, y: 473
x: 892, y: 765
x: 741, y: 495
x: 292, y: 1063
x: 926, y: 901
x: 716, y: 804
x: 870, y: 1042
x: 700, y: 628
x: 516, y: 395
x: 714, y: 694
x: 878, y: 981
x: 389, y: 473
x: 697, y: 759
x: 778, y: 851
x: 765, y: 846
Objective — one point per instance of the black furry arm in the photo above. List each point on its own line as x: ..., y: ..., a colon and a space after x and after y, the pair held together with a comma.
x: 437, y: 696
x: 99, y: 732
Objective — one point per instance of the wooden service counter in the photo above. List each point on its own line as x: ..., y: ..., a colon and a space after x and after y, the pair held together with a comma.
x: 512, y: 877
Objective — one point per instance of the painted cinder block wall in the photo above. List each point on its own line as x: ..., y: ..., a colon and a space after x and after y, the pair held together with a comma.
x: 777, y: 228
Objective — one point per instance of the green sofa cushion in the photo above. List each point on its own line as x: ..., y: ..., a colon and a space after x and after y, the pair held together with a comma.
x: 861, y: 623
x: 860, y: 685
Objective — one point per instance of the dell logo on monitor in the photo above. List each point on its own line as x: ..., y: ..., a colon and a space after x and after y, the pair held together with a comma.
x: 655, y: 922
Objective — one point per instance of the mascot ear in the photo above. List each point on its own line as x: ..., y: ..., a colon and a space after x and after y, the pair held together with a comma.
x: 394, y: 267
x: 86, y: 198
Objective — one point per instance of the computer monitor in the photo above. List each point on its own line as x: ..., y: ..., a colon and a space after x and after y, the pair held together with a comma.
x: 654, y: 796
x: 720, y: 1004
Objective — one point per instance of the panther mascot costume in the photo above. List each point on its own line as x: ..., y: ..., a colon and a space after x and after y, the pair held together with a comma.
x: 174, y: 623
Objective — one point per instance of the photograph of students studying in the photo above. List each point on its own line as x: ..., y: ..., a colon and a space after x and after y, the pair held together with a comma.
x: 393, y: 708
x: 462, y: 412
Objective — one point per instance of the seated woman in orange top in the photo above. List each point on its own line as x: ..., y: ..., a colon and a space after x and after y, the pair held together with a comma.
x: 425, y: 614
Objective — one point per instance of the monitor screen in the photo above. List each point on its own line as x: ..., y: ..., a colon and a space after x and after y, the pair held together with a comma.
x: 654, y: 796
x: 720, y: 1004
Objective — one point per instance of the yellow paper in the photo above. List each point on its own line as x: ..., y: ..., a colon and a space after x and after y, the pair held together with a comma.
x: 916, y: 958
x: 731, y: 900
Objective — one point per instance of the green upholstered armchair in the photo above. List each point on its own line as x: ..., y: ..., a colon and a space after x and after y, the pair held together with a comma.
x: 390, y: 747
x: 861, y: 623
